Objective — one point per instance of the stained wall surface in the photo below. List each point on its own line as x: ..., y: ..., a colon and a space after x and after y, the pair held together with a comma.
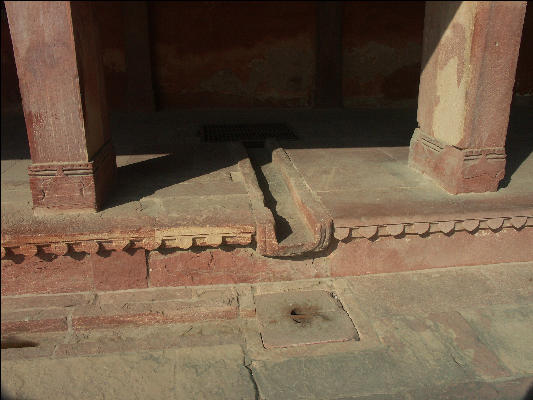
x: 382, y: 49
x: 263, y: 54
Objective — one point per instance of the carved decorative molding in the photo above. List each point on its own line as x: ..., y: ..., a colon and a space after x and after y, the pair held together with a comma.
x: 457, y: 170
x: 97, y: 245
x: 73, y: 185
x: 163, y: 240
x: 473, y: 225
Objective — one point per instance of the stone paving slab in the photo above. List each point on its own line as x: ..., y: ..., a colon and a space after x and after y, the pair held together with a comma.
x: 191, y: 187
x: 331, y: 377
x: 508, y: 331
x: 514, y: 389
x: 444, y: 289
x: 461, y: 333
x: 302, y: 317
x: 216, y: 372
x: 379, y: 184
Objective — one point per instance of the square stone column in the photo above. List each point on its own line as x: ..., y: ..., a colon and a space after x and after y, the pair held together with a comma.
x: 60, y: 71
x: 470, y: 51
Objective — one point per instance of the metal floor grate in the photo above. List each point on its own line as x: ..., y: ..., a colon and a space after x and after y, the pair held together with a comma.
x: 246, y: 132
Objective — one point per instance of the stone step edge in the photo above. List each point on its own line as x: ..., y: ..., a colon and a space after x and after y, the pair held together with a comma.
x: 184, y: 242
x: 423, y: 228
x: 25, y: 314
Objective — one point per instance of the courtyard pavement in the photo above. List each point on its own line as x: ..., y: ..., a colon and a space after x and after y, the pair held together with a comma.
x: 452, y: 333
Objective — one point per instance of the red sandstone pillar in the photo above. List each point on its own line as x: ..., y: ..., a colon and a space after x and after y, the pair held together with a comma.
x: 469, y: 61
x: 59, y: 65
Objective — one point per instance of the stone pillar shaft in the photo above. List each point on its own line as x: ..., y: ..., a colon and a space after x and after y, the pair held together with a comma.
x: 470, y: 52
x: 59, y: 66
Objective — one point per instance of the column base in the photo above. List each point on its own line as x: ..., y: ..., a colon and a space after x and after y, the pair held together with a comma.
x: 457, y: 170
x: 83, y: 186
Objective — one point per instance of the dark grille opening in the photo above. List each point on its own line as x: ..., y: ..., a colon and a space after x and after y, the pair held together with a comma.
x: 246, y: 133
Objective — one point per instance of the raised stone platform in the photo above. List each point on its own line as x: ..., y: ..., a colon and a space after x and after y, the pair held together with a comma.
x: 191, y: 213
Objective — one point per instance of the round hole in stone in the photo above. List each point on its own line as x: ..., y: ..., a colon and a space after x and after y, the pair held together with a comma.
x: 299, y: 315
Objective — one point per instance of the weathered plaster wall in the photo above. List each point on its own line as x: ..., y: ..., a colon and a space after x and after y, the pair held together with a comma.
x: 233, y: 54
x: 111, y: 21
x: 240, y: 54
x: 382, y: 47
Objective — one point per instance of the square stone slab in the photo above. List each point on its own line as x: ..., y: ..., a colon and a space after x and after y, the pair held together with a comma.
x: 302, y: 317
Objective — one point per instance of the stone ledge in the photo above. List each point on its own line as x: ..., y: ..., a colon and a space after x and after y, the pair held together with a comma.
x: 54, y: 313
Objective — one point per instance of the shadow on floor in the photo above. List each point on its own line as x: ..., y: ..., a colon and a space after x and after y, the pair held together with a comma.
x: 519, y: 141
x: 174, y: 134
